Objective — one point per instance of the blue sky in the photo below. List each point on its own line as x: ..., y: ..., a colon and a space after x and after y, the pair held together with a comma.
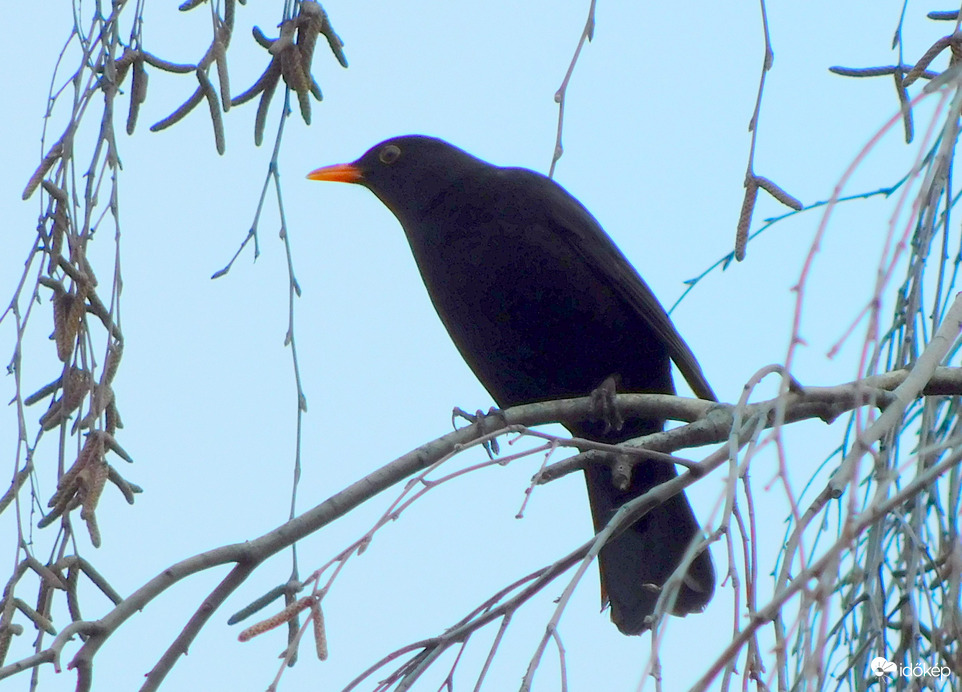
x: 656, y: 145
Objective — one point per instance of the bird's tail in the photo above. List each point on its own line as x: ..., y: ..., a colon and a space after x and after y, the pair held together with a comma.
x: 637, y: 563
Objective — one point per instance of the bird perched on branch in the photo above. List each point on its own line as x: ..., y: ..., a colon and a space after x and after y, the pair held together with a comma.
x: 542, y: 305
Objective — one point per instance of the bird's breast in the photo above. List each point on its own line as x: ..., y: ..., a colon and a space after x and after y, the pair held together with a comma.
x: 530, y: 317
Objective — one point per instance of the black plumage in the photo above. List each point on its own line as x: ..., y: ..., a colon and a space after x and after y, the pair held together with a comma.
x: 542, y: 305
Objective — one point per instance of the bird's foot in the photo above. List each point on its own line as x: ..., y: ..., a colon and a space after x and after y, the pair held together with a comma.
x: 481, y: 418
x: 604, y: 404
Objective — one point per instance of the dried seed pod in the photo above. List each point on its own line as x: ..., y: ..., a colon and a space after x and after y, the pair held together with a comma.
x: 6, y: 636
x: 293, y: 53
x: 66, y: 490
x: 220, y: 59
x: 83, y: 484
x: 311, y: 21
x: 176, y: 68
x: 139, y: 86
x: 293, y: 632
x: 58, y: 511
x: 103, y: 396
x: 57, y: 193
x: 313, y: 10
x: 122, y: 484
x: 61, y: 223
x: 271, y: 73
x: 93, y: 530
x: 292, y: 67
x: 42, y: 393
x: 98, y: 580
x: 182, y: 110
x: 276, y: 620
x: 334, y: 41
x: 39, y: 620
x: 112, y: 362
x: 83, y: 288
x: 212, y: 104
x: 46, y: 574
x: 67, y: 496
x: 261, y: 39
x: 138, y: 94
x: 75, y: 384
x: 123, y: 63
x: 257, y: 604
x: 114, y: 446
x: 112, y: 422
x: 778, y: 193
x: 56, y: 151
x: 73, y: 605
x: 64, y: 330
x: 286, y: 39
x: 75, y: 388
x: 927, y: 58
x: 68, y: 314
x: 92, y: 482
x: 313, y: 13
x: 43, y: 597
x: 270, y: 86
x: 70, y: 482
x: 745, y: 218
x: 58, y: 290
x: 320, y: 636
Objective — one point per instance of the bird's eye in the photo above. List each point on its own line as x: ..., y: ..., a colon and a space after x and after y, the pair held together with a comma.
x: 390, y: 154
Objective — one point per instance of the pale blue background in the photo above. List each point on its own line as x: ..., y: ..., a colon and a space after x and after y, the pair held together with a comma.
x: 656, y: 145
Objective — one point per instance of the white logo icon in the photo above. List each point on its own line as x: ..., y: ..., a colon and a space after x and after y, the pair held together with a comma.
x: 881, y: 666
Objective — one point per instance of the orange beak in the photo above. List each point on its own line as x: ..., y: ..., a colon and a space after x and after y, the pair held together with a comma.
x: 338, y: 173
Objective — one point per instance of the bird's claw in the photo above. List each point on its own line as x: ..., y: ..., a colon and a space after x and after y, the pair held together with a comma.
x: 605, y: 405
x: 479, y: 417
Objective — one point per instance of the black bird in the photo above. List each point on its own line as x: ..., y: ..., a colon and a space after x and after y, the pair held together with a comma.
x: 542, y: 305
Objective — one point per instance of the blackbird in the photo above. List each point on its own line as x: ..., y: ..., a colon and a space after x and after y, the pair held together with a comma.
x: 542, y: 305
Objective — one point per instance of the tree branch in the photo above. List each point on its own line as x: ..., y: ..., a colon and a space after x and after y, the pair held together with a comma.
x: 708, y: 423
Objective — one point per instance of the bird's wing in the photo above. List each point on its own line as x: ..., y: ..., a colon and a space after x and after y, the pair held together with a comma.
x: 587, y: 238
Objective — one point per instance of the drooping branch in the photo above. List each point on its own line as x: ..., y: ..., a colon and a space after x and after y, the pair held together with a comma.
x: 709, y: 423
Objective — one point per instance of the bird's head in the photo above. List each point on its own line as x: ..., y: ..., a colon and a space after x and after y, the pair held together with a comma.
x: 406, y: 173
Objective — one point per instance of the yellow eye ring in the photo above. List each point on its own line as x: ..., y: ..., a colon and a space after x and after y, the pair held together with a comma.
x: 390, y: 154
